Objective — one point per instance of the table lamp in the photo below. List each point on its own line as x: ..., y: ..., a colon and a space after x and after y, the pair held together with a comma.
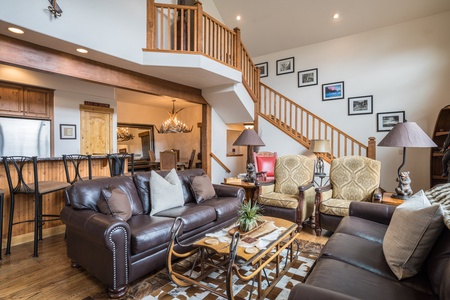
x: 320, y: 146
x: 406, y: 135
x: 249, y: 138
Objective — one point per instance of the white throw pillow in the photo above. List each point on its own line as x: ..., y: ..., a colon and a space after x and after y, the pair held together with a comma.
x: 414, y: 228
x: 165, y: 192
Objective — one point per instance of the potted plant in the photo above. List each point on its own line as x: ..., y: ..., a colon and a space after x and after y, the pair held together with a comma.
x: 249, y: 215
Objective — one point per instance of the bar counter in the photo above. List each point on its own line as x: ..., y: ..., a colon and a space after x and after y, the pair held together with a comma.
x: 49, y: 169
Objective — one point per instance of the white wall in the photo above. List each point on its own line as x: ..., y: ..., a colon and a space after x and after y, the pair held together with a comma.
x: 405, y: 67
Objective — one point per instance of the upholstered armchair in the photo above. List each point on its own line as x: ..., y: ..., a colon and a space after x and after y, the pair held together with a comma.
x: 265, y: 165
x: 352, y: 178
x: 291, y: 194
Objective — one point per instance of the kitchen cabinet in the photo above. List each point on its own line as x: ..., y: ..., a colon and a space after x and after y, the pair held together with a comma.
x: 25, y: 101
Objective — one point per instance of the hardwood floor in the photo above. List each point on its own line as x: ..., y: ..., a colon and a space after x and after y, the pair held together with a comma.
x: 50, y: 275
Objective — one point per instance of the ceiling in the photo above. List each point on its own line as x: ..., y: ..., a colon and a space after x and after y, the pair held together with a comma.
x: 269, y: 26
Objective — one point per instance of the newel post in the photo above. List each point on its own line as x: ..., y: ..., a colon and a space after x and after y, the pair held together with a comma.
x: 371, y: 148
x: 238, y: 50
x: 151, y: 21
x: 199, y: 26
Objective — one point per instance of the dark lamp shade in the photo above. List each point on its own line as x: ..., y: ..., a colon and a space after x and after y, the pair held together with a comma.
x: 320, y: 146
x: 408, y: 135
x: 249, y: 137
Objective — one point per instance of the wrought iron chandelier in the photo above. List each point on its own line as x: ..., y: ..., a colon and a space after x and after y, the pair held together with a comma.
x: 124, y: 135
x: 173, y: 125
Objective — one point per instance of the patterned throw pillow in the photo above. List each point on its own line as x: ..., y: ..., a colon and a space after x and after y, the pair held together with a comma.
x: 114, y: 202
x: 414, y: 228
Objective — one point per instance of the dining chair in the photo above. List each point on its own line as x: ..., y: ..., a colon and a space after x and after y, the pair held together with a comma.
x: 168, y: 160
x: 117, y: 162
x: 191, y: 159
x: 151, y: 155
x: 22, y: 176
x: 177, y: 151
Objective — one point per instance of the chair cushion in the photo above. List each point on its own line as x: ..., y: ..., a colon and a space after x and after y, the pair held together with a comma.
x: 414, y: 228
x: 165, y: 192
x: 202, y: 188
x: 114, y: 202
x: 279, y: 200
x: 292, y: 171
x: 354, y: 178
x: 335, y: 207
x: 266, y: 164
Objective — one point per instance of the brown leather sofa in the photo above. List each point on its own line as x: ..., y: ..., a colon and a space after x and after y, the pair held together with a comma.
x: 118, y: 252
x: 352, y: 264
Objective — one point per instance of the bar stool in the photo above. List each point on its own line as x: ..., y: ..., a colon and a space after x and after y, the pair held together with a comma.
x: 36, y: 188
x: 76, y: 161
x: 2, y: 198
x: 117, y: 161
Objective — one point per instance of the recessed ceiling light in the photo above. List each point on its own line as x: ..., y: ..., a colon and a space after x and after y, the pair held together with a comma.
x: 336, y: 16
x: 238, y: 18
x: 81, y: 50
x: 16, y: 30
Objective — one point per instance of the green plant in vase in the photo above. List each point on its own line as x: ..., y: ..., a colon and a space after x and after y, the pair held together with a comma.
x: 249, y: 215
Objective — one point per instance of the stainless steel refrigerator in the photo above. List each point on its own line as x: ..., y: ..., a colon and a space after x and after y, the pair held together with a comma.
x: 24, y: 137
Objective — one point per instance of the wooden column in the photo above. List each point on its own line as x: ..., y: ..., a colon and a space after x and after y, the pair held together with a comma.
x: 371, y: 148
x: 199, y: 26
x: 151, y: 28
x: 238, y: 51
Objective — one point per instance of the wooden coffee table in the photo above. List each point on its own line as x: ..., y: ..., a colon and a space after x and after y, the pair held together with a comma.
x: 233, y: 257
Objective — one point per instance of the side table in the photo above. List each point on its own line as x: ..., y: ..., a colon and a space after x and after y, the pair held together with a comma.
x: 249, y: 188
x: 387, y: 199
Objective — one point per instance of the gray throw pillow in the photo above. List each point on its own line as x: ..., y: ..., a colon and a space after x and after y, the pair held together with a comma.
x: 414, y: 228
x: 114, y: 202
x: 165, y: 192
x: 202, y: 188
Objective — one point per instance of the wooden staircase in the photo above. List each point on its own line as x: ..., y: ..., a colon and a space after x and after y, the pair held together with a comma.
x: 187, y: 29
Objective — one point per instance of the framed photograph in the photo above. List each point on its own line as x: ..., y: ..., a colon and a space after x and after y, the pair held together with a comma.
x: 285, y: 66
x: 263, y: 68
x: 307, y: 77
x: 387, y: 120
x: 67, y: 131
x: 333, y: 91
x: 360, y: 105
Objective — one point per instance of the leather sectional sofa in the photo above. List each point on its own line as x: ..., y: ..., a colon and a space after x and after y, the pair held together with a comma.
x: 117, y: 251
x: 352, y: 265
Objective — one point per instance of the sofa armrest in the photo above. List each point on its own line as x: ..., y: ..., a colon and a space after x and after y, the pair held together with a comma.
x: 310, y: 292
x: 223, y: 190
x: 94, y: 226
x: 380, y: 213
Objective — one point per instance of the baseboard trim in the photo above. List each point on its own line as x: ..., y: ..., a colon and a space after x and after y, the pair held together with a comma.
x: 29, y: 237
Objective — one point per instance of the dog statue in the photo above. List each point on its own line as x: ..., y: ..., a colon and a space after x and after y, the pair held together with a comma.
x: 404, y: 187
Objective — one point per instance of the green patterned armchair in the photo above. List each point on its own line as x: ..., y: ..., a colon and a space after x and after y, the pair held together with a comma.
x: 291, y: 195
x: 352, y: 178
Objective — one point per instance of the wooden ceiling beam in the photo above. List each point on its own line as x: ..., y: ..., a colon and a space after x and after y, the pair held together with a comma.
x: 35, y: 57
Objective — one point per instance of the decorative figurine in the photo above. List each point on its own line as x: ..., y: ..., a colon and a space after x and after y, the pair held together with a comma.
x: 446, y: 158
x: 251, y: 173
x: 404, y: 188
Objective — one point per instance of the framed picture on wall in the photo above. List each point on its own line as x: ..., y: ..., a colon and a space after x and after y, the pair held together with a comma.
x: 333, y: 91
x: 285, y: 66
x: 263, y: 69
x: 362, y: 105
x: 67, y: 131
x: 387, y: 120
x: 307, y: 77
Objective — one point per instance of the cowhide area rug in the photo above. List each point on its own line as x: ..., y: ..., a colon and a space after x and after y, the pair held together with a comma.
x: 159, y: 286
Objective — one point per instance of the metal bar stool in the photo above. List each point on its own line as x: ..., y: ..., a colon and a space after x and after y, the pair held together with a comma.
x: 2, y: 198
x: 117, y: 161
x: 17, y: 185
x: 76, y: 161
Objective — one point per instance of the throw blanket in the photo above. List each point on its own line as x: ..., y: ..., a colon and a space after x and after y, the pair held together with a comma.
x: 440, y: 194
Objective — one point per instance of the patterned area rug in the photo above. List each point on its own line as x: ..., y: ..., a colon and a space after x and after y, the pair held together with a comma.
x: 159, y: 286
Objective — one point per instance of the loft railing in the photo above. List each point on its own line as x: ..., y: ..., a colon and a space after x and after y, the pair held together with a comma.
x: 189, y: 30
x: 303, y: 126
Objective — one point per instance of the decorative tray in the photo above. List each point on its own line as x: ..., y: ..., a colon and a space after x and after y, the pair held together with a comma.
x: 242, y: 233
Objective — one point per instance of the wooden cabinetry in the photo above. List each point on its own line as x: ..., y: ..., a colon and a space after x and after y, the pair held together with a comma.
x: 440, y: 133
x: 24, y: 101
